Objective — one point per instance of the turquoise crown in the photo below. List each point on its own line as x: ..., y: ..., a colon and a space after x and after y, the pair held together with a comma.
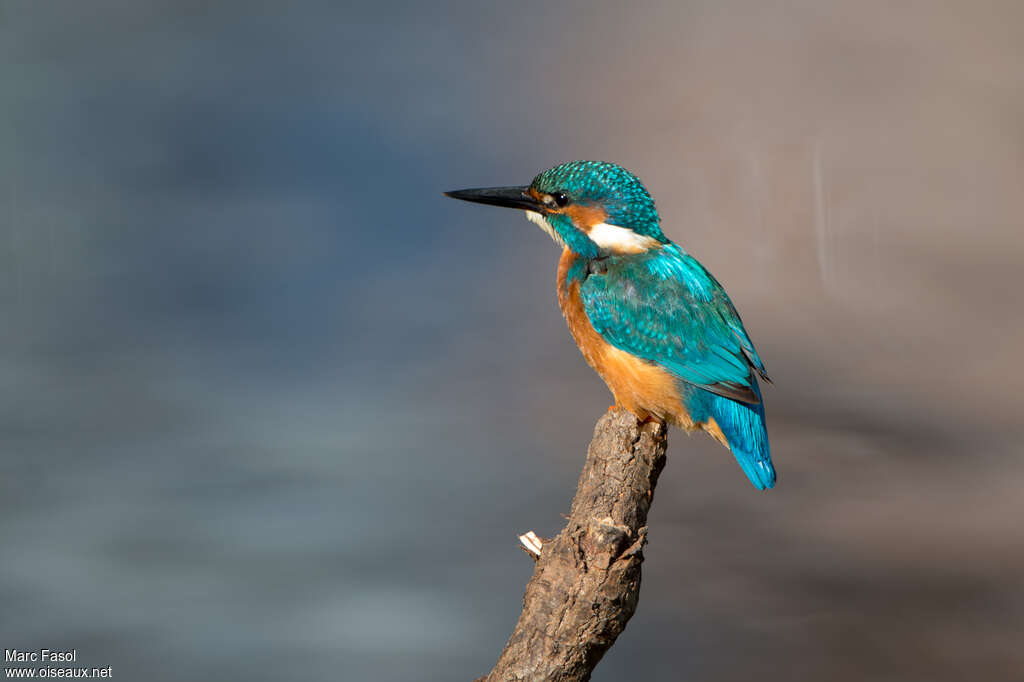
x: 608, y: 185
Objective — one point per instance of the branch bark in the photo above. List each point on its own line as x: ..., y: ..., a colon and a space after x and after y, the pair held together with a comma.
x: 586, y: 582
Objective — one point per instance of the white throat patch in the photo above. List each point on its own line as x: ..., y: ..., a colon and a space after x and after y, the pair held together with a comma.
x: 621, y: 239
x: 543, y: 223
x: 612, y: 237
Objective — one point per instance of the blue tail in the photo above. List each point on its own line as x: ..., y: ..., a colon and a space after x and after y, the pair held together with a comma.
x: 743, y: 426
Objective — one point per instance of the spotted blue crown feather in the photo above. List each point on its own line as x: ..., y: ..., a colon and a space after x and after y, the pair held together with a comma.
x: 609, y: 186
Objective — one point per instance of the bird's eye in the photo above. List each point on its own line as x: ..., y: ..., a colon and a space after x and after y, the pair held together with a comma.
x: 560, y: 199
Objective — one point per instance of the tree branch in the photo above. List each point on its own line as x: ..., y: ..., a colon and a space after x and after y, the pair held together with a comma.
x: 586, y: 582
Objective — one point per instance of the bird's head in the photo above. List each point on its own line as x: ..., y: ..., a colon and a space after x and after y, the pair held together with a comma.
x: 591, y: 207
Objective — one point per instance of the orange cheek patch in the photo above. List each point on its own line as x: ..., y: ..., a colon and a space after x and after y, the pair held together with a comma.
x: 585, y: 217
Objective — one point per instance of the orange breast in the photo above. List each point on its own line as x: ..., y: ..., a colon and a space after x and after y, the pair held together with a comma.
x: 641, y: 387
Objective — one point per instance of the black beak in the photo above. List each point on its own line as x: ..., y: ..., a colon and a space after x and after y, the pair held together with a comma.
x: 509, y: 197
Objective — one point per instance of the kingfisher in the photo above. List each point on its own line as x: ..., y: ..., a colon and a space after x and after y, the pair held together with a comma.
x: 652, y: 321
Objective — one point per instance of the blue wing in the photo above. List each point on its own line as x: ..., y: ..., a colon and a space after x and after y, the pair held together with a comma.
x: 663, y: 306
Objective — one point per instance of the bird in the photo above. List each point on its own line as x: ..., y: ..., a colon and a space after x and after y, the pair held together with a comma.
x: 656, y: 326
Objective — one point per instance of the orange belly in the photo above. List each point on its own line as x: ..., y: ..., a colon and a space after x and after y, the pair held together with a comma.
x: 642, y: 387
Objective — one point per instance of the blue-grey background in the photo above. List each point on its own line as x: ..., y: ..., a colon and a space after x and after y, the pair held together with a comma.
x: 273, y: 408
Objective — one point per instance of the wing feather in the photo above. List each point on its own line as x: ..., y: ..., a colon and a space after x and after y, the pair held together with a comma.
x: 663, y: 306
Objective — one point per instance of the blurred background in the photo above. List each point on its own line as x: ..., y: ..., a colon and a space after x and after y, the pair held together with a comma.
x: 273, y: 408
